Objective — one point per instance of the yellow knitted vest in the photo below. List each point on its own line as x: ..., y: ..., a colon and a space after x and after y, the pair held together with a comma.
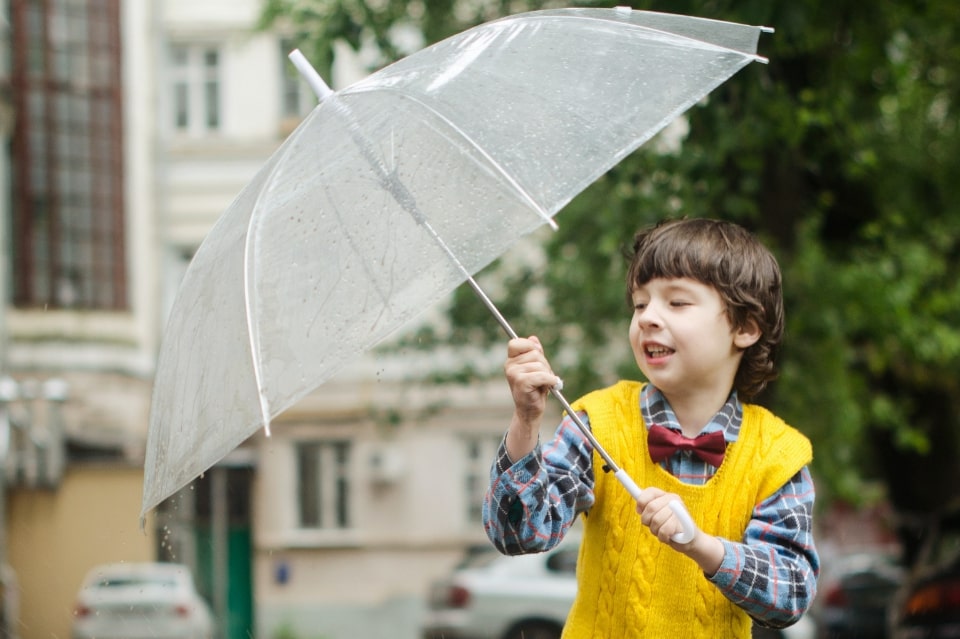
x: 629, y: 584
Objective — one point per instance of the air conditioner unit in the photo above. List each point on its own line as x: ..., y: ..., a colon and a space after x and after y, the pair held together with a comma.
x: 387, y: 464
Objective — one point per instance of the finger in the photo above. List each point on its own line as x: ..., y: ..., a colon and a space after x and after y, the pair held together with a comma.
x: 525, y: 367
x: 646, y: 496
x: 657, y: 520
x: 530, y: 363
x: 665, y: 525
x: 657, y: 515
x: 528, y: 370
x: 522, y: 345
x: 534, y: 382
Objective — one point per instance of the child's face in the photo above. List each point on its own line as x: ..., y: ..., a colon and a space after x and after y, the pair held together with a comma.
x: 682, y: 338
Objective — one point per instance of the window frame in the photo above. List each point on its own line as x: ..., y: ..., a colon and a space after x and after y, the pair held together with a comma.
x: 326, y: 506
x: 192, y: 80
x: 479, y: 453
x: 67, y: 181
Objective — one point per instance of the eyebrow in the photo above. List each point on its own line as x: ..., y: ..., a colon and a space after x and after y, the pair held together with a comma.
x: 673, y: 286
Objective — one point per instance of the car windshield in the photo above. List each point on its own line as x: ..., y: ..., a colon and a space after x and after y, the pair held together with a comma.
x: 125, y: 582
x: 945, y: 550
x: 478, y: 559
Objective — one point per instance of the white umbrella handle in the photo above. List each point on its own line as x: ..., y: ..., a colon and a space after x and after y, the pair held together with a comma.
x: 686, y: 521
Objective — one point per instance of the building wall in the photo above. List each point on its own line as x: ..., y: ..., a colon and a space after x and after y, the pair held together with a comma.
x: 55, y: 537
x: 54, y: 534
x: 410, y: 527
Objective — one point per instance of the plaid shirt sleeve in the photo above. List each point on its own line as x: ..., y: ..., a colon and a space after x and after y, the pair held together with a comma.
x: 772, y: 573
x: 531, y: 503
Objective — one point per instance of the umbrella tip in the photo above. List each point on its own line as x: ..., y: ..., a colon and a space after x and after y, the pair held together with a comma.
x: 319, y: 87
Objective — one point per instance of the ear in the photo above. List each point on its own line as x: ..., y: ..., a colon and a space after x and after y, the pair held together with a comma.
x: 747, y: 335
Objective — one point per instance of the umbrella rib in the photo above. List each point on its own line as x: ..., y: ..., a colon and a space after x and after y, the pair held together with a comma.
x: 501, y: 172
x: 247, y: 279
x: 663, y: 25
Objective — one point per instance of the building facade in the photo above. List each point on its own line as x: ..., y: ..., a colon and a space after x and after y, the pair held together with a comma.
x: 131, y: 126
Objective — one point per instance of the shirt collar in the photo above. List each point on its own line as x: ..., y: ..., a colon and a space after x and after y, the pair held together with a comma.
x: 656, y: 410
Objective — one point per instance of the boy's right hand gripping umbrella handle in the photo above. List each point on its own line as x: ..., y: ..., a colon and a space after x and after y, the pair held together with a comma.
x: 686, y: 522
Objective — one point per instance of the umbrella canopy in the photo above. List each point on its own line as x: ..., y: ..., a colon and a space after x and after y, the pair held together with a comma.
x: 392, y: 192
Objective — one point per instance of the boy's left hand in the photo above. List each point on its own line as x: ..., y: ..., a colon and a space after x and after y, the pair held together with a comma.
x: 653, y: 506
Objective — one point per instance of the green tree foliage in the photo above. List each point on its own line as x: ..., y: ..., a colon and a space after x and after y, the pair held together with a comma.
x: 315, y: 25
x: 842, y: 153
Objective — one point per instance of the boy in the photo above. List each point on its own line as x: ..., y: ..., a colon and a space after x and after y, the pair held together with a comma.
x: 707, y: 321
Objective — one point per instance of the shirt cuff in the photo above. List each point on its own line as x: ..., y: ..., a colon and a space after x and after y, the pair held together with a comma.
x: 728, y: 574
x: 522, y: 470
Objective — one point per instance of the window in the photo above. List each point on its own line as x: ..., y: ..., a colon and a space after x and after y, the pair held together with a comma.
x: 194, y: 88
x: 480, y: 454
x: 324, y: 484
x: 67, y: 155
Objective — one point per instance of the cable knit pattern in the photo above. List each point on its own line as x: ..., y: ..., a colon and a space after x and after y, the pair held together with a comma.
x: 630, y: 584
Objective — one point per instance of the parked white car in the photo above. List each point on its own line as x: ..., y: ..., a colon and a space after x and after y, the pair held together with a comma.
x: 491, y: 596
x: 139, y: 600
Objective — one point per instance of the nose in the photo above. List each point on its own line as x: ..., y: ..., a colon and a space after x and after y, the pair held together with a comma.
x: 647, y: 317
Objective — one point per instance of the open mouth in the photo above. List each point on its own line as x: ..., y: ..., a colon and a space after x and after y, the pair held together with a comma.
x: 655, y: 351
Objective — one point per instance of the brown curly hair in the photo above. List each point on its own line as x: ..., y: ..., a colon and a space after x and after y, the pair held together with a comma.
x: 730, y: 259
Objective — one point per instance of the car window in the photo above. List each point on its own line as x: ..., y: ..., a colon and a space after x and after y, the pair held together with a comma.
x: 563, y: 561
x: 478, y: 559
x: 945, y: 550
x: 122, y: 582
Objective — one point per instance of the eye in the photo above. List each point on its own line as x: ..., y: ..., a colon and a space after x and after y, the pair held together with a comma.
x: 679, y: 303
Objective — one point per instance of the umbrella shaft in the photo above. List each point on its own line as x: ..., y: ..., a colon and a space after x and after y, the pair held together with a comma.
x: 489, y: 304
x: 555, y: 391
x: 611, y: 466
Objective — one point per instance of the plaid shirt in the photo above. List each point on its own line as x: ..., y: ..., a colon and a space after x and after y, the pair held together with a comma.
x: 771, y: 574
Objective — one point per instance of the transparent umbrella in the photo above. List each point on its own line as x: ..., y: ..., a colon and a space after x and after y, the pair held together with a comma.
x: 394, y: 191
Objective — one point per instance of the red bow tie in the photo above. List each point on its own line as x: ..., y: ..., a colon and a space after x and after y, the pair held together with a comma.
x: 663, y: 442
